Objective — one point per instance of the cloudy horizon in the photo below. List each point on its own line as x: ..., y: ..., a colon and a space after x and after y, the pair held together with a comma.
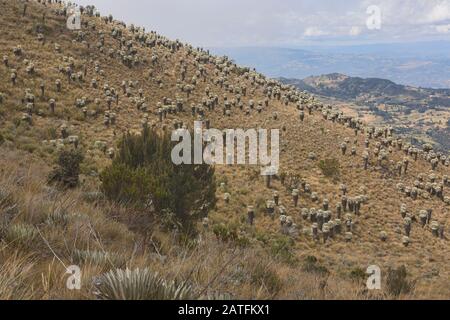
x: 288, y: 23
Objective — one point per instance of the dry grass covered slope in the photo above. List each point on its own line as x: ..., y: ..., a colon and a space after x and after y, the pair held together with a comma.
x: 62, y: 88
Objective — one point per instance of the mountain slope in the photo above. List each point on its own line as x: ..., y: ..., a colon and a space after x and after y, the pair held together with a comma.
x: 115, y: 77
x: 418, y: 113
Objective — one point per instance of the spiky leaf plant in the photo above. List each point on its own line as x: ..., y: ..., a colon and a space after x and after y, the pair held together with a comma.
x: 100, y: 258
x: 21, y: 234
x: 139, y: 284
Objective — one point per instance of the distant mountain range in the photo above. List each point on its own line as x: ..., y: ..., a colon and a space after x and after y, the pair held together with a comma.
x: 417, y: 64
x: 372, y: 91
x: 419, y: 114
x: 353, y: 77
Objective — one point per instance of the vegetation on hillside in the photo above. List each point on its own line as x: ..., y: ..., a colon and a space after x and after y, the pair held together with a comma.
x: 143, y: 175
x: 73, y: 107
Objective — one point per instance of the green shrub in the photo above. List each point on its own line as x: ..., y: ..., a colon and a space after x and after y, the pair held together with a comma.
x: 264, y: 276
x: 52, y: 133
x: 17, y: 121
x: 224, y: 232
x: 330, y: 168
x: 262, y: 237
x: 281, y: 248
x: 231, y: 233
x: 311, y: 264
x: 29, y: 147
x: 397, y: 281
x: 169, y: 220
x: 143, y: 175
x: 2, y: 139
x: 260, y: 204
x: 358, y: 274
x: 67, y: 171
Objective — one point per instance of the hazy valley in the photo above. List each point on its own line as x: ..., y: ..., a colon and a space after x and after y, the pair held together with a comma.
x: 419, y: 114
x: 424, y: 65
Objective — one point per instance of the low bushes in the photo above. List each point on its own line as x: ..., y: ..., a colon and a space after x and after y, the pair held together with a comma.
x: 143, y: 176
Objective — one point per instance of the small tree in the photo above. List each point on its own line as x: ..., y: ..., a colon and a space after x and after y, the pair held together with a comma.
x: 330, y: 168
x: 143, y: 176
x: 67, y: 171
x: 397, y: 281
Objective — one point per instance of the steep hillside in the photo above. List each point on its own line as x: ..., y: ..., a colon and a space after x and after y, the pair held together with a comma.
x: 360, y: 188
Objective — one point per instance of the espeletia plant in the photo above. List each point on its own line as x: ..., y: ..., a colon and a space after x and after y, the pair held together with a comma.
x: 139, y: 284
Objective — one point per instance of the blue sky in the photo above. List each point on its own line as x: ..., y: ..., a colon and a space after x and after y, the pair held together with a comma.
x: 288, y: 23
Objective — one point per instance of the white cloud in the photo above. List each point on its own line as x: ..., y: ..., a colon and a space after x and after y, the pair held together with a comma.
x: 314, y: 32
x: 287, y: 22
x: 355, y: 31
x: 443, y: 28
x: 439, y: 12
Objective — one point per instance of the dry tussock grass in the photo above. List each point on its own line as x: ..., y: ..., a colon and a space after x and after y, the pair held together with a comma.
x: 38, y: 270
